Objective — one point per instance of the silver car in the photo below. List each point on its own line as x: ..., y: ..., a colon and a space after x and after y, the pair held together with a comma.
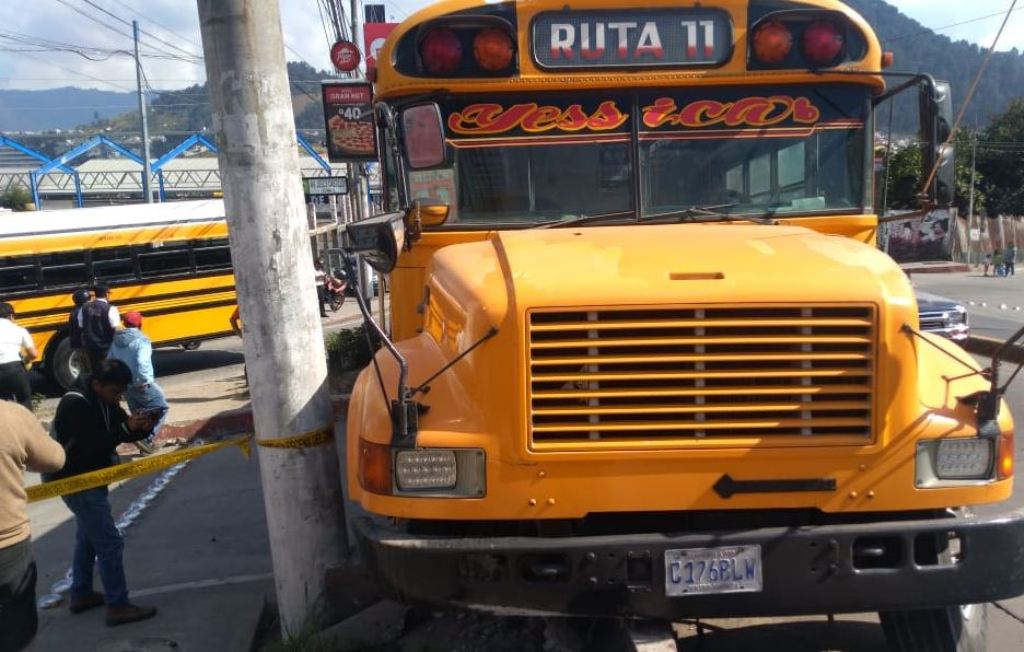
x: 943, y: 316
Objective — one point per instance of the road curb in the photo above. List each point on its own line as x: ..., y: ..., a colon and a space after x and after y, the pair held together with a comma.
x: 987, y: 346
x: 936, y: 268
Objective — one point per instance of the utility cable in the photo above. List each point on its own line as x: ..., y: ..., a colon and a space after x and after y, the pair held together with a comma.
x: 970, y: 96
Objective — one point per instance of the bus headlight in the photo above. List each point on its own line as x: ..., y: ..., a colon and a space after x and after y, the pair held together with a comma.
x: 426, y: 470
x: 953, y: 461
x: 440, y: 472
x: 964, y: 459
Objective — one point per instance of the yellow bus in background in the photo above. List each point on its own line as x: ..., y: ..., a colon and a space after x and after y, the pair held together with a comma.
x: 169, y: 261
x: 668, y: 373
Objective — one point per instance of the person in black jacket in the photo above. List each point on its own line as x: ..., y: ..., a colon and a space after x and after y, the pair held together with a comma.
x: 90, y: 424
x: 75, y: 335
x: 99, y: 320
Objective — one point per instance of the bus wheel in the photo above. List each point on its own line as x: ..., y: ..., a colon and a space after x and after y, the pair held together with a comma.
x: 950, y: 629
x: 192, y: 345
x: 62, y: 365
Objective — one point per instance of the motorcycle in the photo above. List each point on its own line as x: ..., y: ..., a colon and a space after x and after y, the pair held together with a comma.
x: 334, y: 290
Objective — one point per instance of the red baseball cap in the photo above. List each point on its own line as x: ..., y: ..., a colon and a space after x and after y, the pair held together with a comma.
x: 132, y: 319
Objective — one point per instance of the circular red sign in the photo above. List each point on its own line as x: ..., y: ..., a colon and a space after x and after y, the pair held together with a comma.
x: 345, y: 56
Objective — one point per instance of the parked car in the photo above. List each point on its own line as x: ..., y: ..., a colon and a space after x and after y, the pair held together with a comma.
x: 943, y: 316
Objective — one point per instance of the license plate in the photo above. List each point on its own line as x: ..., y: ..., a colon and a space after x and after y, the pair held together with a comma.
x: 702, y: 571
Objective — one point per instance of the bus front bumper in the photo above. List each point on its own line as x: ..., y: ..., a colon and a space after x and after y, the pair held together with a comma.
x: 877, y: 566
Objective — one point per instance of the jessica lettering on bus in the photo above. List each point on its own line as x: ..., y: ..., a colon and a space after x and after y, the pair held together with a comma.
x: 749, y: 112
x: 591, y: 39
x: 489, y: 119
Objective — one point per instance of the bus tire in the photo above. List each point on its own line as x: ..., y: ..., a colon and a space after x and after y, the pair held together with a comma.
x: 192, y: 345
x: 949, y: 629
x: 62, y: 365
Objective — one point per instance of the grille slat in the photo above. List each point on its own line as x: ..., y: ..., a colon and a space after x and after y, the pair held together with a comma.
x: 655, y: 377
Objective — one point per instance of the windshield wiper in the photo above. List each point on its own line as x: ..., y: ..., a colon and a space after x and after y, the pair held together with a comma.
x: 587, y: 219
x: 710, y: 214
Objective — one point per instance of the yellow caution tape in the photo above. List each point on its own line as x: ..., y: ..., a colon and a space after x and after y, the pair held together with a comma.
x: 129, y: 470
x: 310, y: 439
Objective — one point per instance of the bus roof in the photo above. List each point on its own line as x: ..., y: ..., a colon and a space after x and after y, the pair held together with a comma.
x: 108, y: 226
x: 107, y: 218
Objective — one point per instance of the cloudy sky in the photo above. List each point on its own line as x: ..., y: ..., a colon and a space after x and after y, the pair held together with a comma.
x: 173, y: 37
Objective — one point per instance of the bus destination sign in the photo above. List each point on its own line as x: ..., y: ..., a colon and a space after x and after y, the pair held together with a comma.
x: 632, y: 39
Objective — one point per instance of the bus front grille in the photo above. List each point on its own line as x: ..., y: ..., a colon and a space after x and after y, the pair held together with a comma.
x: 718, y: 375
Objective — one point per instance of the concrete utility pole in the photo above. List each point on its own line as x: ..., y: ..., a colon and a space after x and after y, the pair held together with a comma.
x: 146, y: 171
x: 970, y: 209
x: 284, y: 347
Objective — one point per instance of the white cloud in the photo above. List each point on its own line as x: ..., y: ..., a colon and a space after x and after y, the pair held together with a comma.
x: 176, y: 21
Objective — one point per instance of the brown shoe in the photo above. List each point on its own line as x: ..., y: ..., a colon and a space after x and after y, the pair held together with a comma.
x: 128, y: 613
x: 85, y: 602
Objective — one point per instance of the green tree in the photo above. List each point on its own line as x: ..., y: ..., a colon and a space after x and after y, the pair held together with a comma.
x: 1001, y: 161
x: 907, y: 174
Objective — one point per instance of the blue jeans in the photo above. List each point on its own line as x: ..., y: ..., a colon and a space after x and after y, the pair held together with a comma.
x: 97, y: 541
x: 146, y: 397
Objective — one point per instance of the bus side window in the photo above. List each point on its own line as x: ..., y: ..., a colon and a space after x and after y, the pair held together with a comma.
x: 212, y: 255
x: 167, y: 260
x: 67, y: 269
x: 17, y: 274
x: 112, y: 264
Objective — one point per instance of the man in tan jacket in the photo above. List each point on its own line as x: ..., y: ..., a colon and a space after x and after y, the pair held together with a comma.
x: 23, y: 445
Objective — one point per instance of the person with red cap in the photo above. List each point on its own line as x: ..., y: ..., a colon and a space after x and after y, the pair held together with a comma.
x: 144, y: 396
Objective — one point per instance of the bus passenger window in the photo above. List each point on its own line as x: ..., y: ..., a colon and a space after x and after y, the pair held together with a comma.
x: 64, y: 270
x: 112, y: 264
x: 17, y: 274
x: 212, y: 255
x: 760, y: 175
x: 170, y: 259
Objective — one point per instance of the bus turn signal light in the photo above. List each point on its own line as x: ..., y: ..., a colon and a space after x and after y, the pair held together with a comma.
x: 441, y: 52
x: 1005, y: 461
x: 375, y: 468
x: 493, y: 49
x: 823, y: 42
x: 772, y: 42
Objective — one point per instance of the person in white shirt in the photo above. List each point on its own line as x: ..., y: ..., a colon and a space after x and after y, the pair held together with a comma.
x: 16, y: 349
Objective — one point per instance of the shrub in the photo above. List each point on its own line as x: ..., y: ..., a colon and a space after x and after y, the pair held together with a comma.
x: 348, y: 350
x: 16, y: 198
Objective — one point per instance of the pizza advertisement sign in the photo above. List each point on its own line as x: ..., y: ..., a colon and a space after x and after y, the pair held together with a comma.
x: 348, y: 112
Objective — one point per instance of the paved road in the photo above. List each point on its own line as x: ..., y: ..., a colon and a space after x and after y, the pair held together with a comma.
x: 991, y: 319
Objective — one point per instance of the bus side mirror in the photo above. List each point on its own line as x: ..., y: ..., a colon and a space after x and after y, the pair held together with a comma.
x: 936, y: 125
x: 424, y: 136
x: 377, y: 240
x: 428, y: 213
x: 424, y: 213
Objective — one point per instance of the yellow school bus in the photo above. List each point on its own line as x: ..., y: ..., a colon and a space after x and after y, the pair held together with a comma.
x: 645, y: 358
x: 169, y: 261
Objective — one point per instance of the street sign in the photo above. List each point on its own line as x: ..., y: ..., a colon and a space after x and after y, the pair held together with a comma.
x: 325, y: 186
x: 348, y: 111
x: 345, y: 56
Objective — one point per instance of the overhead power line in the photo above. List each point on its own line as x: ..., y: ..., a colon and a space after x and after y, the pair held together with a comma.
x: 152, y: 36
x: 149, y: 19
x: 116, y: 30
x: 931, y: 30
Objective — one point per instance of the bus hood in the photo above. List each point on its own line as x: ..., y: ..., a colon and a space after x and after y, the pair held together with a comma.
x: 690, y: 263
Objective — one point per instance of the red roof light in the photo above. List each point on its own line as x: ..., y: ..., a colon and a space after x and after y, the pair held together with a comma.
x: 823, y: 42
x: 441, y: 51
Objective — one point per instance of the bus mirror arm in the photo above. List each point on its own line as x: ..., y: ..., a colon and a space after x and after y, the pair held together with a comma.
x: 988, y: 402
x: 404, y: 410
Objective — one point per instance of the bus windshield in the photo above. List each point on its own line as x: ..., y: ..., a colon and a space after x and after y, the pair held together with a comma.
x: 787, y: 151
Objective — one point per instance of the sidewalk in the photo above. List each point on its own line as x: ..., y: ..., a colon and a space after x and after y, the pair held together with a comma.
x: 199, y: 552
